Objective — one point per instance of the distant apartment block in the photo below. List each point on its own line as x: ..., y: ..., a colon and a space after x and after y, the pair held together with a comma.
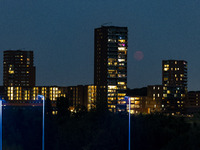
x: 82, y: 96
x: 174, y: 80
x: 18, y: 68
x: 110, y: 65
x: 193, y: 102
x: 154, y: 98
x: 31, y: 93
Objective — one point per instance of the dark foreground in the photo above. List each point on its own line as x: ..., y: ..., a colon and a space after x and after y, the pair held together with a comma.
x: 22, y: 130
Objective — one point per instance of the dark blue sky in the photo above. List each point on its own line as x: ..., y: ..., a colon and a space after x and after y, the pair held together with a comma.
x: 61, y: 34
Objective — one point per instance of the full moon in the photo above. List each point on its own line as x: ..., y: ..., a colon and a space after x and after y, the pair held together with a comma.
x: 138, y: 55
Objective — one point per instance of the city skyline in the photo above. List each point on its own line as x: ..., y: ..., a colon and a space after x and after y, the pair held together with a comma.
x: 63, y: 44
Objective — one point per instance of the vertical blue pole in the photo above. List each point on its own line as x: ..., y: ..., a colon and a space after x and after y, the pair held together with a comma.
x: 129, y: 123
x: 43, y: 123
x: 1, y: 133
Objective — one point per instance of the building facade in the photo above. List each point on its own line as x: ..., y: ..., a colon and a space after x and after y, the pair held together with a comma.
x: 82, y: 96
x: 193, y: 102
x: 18, y: 68
x: 174, y: 80
x: 110, y: 65
x: 31, y: 93
x: 154, y: 98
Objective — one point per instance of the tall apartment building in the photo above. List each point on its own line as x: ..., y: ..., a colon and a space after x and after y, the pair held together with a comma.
x: 174, y: 80
x: 110, y: 65
x: 18, y: 68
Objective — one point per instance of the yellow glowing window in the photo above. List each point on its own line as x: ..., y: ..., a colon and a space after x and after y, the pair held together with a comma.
x: 113, y: 106
x: 164, y: 95
x: 11, y: 72
x: 168, y: 91
x: 121, y: 83
x: 134, y: 98
x: 165, y: 79
x: 121, y: 41
x: 182, y: 95
x: 121, y: 94
x: 121, y: 60
x: 166, y: 66
x: 112, y: 87
x: 137, y: 102
x: 166, y: 69
x: 121, y: 48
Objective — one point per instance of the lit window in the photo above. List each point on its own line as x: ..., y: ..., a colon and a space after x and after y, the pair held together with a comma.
x: 121, y: 60
x: 121, y: 41
x: 121, y: 83
x: 182, y: 95
x: 166, y: 66
x: 166, y: 69
x: 165, y: 79
x: 121, y: 48
x: 112, y: 87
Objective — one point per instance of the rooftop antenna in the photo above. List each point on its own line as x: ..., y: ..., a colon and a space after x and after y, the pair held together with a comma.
x: 106, y: 23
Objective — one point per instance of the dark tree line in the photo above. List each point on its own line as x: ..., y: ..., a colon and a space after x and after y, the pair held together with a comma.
x: 22, y: 130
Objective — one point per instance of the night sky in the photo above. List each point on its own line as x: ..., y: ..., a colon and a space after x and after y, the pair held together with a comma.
x: 61, y: 34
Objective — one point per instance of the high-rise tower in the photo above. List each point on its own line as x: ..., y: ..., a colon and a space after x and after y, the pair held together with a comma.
x: 110, y: 65
x: 18, y: 68
x: 174, y: 80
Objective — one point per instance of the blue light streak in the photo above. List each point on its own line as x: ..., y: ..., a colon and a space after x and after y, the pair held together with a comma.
x: 129, y: 141
x: 127, y: 98
x: 1, y: 132
x: 43, y: 118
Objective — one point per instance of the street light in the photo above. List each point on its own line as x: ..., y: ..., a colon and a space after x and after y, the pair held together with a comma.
x: 129, y: 122
x: 43, y: 117
x: 1, y: 132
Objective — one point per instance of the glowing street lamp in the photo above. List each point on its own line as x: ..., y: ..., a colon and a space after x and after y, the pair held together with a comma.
x: 129, y: 122
x: 1, y: 120
x: 43, y: 117
x: 1, y: 133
